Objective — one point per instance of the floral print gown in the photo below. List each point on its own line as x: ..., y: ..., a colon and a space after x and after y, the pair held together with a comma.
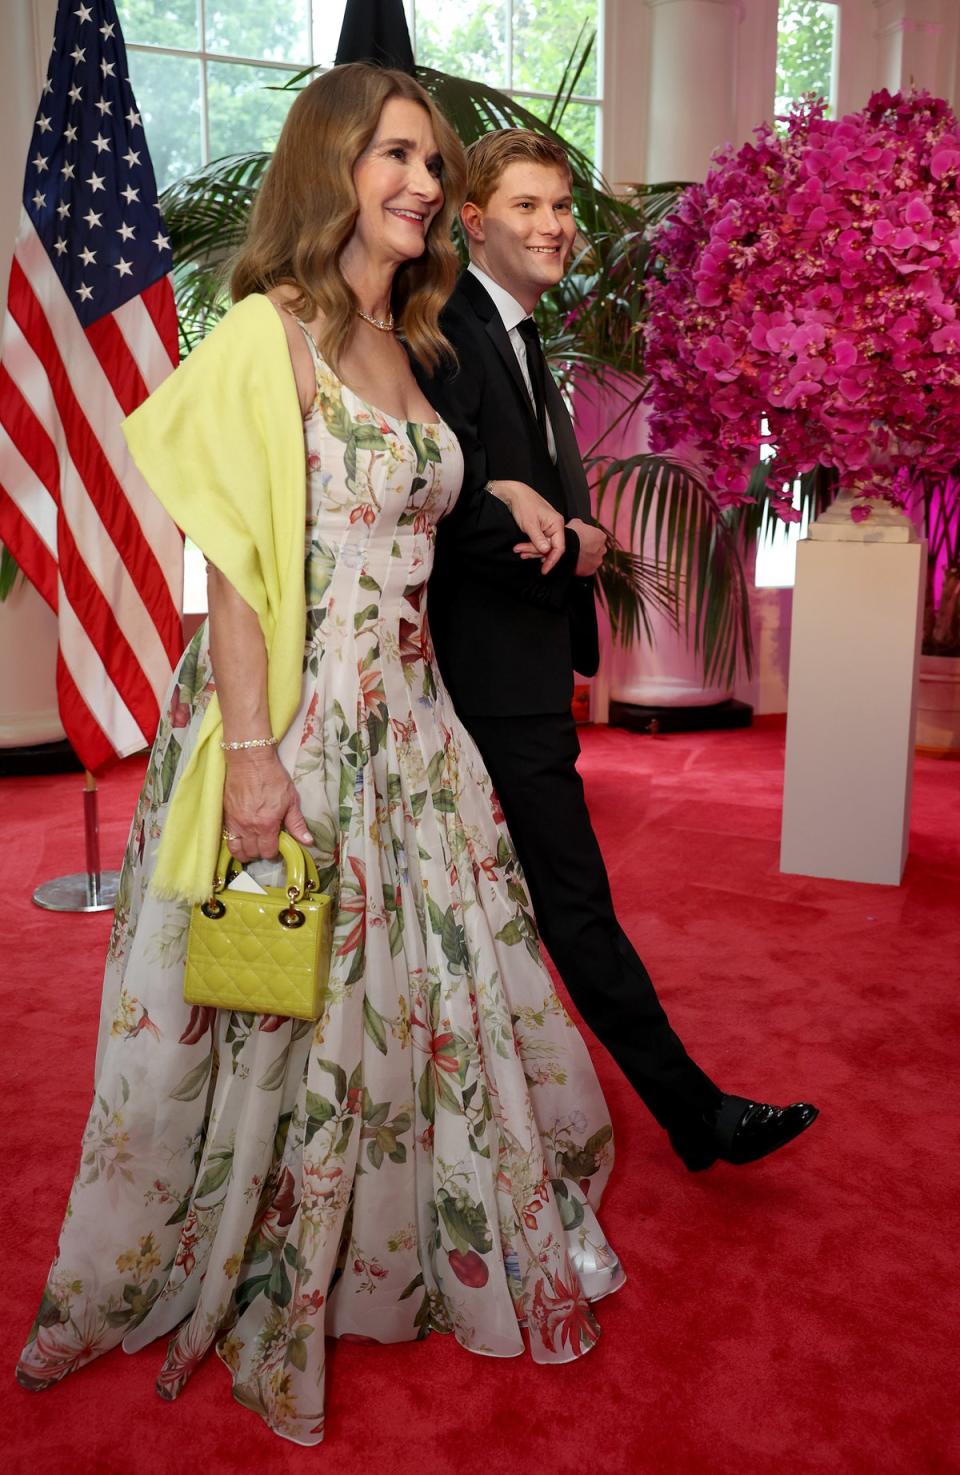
x: 430, y: 1152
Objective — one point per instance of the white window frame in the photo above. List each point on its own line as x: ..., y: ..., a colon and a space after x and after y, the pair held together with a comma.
x: 776, y: 550
x: 204, y: 56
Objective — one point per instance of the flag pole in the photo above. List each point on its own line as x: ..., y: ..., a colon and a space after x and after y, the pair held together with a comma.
x: 92, y: 890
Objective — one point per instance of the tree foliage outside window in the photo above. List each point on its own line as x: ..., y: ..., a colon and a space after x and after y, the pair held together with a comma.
x: 242, y: 110
x: 521, y: 48
x: 806, y: 37
x: 196, y: 107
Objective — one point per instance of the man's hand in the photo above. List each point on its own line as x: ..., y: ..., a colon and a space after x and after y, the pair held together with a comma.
x: 593, y: 547
x: 534, y: 516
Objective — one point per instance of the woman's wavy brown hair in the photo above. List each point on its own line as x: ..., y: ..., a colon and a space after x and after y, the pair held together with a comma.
x: 306, y: 210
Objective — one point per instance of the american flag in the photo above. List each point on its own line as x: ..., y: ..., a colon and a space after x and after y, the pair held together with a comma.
x: 90, y: 330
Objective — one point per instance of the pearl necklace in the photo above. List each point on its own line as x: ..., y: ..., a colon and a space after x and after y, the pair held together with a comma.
x: 387, y: 327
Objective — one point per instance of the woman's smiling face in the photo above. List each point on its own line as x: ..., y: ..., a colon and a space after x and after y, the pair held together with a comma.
x: 398, y: 183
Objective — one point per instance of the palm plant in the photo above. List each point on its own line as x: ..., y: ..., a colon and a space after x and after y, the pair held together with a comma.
x: 690, y: 570
x: 8, y: 573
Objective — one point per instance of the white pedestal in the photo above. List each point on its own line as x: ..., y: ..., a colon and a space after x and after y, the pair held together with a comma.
x: 852, y: 702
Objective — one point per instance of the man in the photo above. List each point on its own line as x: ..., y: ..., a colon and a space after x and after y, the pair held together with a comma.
x: 508, y: 635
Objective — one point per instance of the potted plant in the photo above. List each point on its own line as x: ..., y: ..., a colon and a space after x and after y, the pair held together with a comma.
x: 934, y: 503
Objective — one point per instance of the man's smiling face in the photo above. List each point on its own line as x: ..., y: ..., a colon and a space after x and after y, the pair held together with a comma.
x: 522, y: 237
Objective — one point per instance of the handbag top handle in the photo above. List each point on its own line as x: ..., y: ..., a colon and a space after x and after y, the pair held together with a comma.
x: 301, y: 868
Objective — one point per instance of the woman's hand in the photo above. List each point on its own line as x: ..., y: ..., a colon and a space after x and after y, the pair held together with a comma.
x: 259, y: 800
x: 534, y: 516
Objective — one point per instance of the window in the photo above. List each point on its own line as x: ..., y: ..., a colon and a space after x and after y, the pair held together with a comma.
x: 806, y: 51
x: 520, y: 47
x: 776, y: 562
x: 208, y: 74
x: 806, y: 62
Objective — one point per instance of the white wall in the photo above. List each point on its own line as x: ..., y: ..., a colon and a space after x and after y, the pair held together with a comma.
x: 27, y: 39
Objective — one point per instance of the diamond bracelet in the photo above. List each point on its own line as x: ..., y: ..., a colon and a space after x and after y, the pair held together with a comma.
x: 270, y: 742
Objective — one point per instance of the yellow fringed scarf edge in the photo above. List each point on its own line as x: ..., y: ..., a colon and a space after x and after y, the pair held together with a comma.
x: 207, y: 426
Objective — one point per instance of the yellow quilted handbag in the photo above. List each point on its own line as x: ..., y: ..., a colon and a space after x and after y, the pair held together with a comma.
x: 264, y: 952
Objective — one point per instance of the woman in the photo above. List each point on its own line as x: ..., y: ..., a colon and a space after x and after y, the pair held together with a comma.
x: 429, y: 1153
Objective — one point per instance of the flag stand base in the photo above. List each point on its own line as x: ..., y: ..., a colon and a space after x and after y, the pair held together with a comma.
x: 81, y: 892
x: 92, y: 890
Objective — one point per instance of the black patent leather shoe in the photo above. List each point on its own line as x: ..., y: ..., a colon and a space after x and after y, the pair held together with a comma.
x: 742, y: 1131
x: 748, y: 1130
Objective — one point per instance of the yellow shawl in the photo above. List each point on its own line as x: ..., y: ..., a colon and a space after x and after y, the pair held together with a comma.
x: 221, y: 444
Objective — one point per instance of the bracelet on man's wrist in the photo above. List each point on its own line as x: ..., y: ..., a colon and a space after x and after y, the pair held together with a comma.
x: 269, y: 742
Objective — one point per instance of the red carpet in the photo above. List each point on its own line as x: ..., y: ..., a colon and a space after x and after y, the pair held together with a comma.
x: 797, y: 1317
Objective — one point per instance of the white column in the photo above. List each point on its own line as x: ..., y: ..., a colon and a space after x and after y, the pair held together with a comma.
x: 756, y: 65
x: 626, y: 43
x: 692, y: 104
x: 918, y: 41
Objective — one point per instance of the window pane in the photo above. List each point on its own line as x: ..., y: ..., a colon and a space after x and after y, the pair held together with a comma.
x: 577, y: 126
x: 466, y: 39
x: 327, y: 24
x: 806, y: 37
x: 279, y: 31
x: 160, y: 22
x: 242, y: 113
x: 167, y: 89
x: 544, y: 35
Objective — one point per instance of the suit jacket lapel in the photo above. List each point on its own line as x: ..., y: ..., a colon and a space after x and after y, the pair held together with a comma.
x: 569, y: 463
x: 485, y: 309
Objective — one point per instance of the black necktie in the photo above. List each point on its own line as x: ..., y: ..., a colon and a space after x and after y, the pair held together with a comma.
x: 536, y: 368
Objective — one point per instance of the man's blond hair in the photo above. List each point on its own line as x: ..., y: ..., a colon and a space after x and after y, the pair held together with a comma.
x: 489, y: 156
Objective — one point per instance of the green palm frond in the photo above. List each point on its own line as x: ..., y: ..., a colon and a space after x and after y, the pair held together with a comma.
x: 207, y: 211
x: 572, y: 72
x: 629, y: 587
x: 601, y: 303
x: 206, y: 214
x: 689, y: 568
x: 9, y: 572
x: 692, y: 544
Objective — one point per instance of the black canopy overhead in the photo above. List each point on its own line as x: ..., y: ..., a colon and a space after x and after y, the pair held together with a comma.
x: 376, y: 30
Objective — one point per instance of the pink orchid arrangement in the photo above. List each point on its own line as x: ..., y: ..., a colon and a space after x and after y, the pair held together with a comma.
x: 814, y: 280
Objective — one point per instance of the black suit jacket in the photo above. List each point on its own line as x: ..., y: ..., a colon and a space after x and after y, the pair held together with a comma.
x: 507, y: 638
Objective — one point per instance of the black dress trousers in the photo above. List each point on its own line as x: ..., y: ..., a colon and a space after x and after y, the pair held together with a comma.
x: 532, y: 762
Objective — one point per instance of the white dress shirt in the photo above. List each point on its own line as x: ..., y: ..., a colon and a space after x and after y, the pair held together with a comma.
x: 512, y: 315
